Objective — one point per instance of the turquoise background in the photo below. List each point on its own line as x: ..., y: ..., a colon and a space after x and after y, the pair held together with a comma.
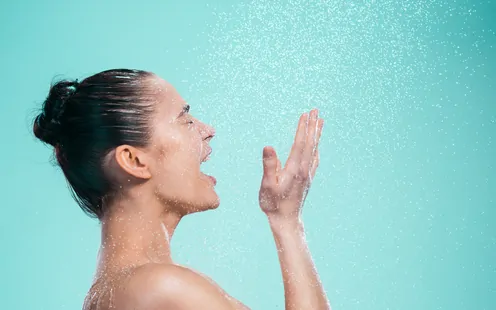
x: 401, y: 214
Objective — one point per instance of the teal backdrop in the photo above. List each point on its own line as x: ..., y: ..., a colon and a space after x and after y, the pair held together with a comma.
x: 401, y: 213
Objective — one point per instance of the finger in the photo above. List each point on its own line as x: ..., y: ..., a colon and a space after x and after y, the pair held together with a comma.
x: 316, y: 155
x: 299, y: 143
x: 318, y: 134
x: 308, y: 152
x: 269, y: 164
x: 315, y: 165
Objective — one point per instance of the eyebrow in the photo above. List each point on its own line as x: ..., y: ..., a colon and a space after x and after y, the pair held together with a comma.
x: 184, y: 111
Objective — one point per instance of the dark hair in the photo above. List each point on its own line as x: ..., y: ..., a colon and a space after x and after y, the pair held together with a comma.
x: 85, y: 121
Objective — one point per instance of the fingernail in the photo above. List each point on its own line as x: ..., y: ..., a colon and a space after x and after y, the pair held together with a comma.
x: 268, y: 151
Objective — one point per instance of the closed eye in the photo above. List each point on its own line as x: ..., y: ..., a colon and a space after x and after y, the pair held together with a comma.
x: 184, y: 111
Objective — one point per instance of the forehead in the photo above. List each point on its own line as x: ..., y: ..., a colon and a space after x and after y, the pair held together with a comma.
x: 169, y: 101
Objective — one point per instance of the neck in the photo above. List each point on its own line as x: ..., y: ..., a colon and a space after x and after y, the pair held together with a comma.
x: 136, y: 232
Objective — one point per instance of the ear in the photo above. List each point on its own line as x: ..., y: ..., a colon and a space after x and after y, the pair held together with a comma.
x: 133, y: 161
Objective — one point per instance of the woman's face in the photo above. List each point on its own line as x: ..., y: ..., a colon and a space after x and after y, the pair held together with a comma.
x: 179, y: 144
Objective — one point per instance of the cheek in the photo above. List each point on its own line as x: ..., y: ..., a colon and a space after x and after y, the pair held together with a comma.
x: 178, y: 153
x: 177, y: 159
x: 190, y: 146
x: 170, y: 142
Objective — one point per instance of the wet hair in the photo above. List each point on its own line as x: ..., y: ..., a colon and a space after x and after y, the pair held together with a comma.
x: 85, y: 120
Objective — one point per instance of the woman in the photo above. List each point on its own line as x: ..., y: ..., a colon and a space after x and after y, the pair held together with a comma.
x: 131, y: 153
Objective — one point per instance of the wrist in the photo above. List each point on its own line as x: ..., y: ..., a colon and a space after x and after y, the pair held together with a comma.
x: 286, y: 224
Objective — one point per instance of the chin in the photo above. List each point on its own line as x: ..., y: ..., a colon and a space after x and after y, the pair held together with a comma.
x: 212, y: 203
x: 203, y: 196
x: 216, y: 204
x: 208, y: 200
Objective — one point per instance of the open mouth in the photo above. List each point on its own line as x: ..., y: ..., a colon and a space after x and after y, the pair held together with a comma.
x: 209, y: 177
x: 207, y: 157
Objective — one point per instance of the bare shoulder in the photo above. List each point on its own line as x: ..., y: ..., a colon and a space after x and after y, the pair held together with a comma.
x: 167, y: 286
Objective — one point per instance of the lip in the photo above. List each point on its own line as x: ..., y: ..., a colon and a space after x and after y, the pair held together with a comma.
x: 213, y: 179
x: 207, y: 157
x: 210, y: 178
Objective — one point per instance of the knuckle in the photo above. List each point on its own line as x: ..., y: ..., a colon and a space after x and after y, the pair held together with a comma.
x: 304, y: 166
x: 266, y: 184
x: 293, y: 170
x: 304, y: 171
x: 305, y: 176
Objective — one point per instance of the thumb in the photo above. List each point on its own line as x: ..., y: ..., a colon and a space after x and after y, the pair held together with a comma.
x: 270, y: 162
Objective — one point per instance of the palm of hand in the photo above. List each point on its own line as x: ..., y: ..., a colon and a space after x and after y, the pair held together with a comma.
x: 283, y: 191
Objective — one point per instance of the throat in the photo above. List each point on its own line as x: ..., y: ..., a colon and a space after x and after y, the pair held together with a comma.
x: 130, y: 239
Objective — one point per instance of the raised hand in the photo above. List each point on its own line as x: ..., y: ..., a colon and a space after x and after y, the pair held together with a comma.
x: 283, y: 191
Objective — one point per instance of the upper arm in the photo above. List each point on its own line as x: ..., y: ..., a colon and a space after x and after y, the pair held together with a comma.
x: 171, y: 287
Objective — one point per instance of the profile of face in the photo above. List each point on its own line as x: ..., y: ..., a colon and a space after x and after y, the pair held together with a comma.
x: 128, y: 132
x: 169, y: 164
x: 178, y: 145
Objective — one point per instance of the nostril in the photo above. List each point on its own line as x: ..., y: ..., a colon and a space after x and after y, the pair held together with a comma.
x: 211, y: 130
x: 208, y: 138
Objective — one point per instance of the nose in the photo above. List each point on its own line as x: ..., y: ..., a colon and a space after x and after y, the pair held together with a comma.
x: 208, y: 132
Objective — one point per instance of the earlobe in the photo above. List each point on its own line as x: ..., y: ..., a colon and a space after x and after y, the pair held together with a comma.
x: 132, y: 161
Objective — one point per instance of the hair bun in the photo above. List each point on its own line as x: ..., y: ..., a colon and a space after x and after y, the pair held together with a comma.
x: 48, y: 125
